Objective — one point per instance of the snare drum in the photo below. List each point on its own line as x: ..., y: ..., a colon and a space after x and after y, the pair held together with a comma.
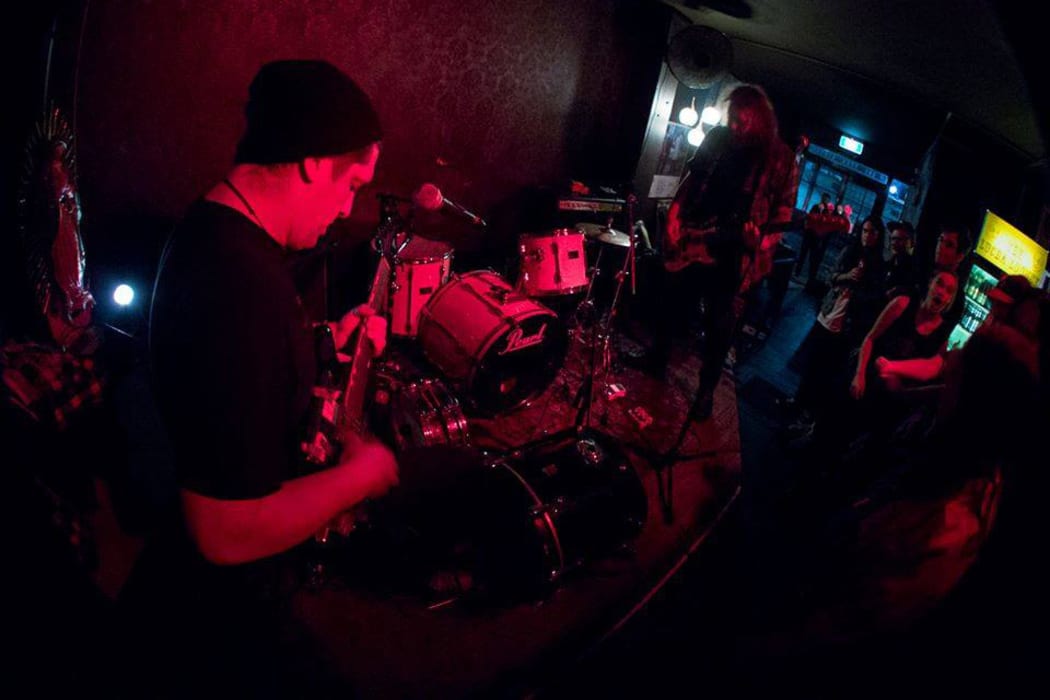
x: 498, y: 347
x: 421, y: 268
x: 553, y: 263
x: 424, y: 413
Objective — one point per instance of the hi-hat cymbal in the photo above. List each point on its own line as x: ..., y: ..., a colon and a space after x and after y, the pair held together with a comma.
x: 616, y: 238
x: 591, y: 230
x: 604, y: 234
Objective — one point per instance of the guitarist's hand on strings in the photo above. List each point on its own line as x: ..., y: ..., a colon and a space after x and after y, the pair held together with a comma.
x: 674, y: 224
x: 375, y: 327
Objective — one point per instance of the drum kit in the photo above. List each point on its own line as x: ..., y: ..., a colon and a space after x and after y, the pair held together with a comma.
x: 496, y: 344
x: 491, y: 348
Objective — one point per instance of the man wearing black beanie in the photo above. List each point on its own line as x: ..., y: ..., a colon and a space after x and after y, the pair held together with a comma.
x: 233, y: 366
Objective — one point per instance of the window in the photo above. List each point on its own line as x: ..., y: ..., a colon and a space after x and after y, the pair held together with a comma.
x: 860, y: 199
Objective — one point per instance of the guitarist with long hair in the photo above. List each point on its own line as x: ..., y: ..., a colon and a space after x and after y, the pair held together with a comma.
x: 722, y: 227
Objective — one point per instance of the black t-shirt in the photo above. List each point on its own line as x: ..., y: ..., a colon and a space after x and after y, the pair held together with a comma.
x: 900, y: 275
x: 233, y: 367
x: 902, y: 341
x: 231, y: 354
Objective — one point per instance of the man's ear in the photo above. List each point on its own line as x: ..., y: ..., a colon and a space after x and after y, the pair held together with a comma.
x: 310, y: 169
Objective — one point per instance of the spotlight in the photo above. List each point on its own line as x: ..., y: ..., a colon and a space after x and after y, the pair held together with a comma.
x: 695, y: 136
x: 710, y: 116
x: 123, y: 295
x: 688, y: 115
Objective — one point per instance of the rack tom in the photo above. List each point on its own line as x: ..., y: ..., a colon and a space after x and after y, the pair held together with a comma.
x: 553, y: 263
x: 420, y: 270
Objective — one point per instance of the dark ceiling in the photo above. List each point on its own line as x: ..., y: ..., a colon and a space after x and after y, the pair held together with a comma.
x: 883, y: 69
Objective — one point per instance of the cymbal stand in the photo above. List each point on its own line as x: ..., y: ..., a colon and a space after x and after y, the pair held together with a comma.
x: 601, y: 332
x: 632, y: 200
x: 585, y: 310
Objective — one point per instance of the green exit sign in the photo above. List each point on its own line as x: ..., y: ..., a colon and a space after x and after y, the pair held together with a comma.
x: 851, y: 144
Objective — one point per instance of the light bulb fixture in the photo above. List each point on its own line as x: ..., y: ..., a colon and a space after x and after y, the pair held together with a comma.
x: 711, y: 116
x: 123, y: 295
x: 695, y: 136
x: 688, y: 115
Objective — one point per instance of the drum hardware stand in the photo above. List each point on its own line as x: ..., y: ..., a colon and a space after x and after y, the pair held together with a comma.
x: 601, y: 332
x: 664, y: 463
x: 632, y: 200
x: 394, y: 226
x: 600, y: 360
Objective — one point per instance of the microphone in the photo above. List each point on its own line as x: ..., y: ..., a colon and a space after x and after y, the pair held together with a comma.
x: 429, y: 197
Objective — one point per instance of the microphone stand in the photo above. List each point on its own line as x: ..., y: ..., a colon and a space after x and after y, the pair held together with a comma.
x: 667, y: 461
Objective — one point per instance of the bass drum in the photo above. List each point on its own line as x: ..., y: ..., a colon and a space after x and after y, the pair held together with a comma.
x: 553, y: 509
x: 511, y: 528
x: 498, y: 347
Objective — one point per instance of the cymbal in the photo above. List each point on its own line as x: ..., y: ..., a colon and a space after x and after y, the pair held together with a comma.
x: 615, y: 238
x: 592, y: 230
x: 604, y: 234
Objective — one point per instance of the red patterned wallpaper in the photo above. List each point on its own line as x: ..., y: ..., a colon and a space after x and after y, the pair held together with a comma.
x: 512, y: 95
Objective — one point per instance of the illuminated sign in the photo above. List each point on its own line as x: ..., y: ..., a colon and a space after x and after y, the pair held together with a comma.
x: 851, y: 144
x: 1007, y: 248
x: 848, y: 164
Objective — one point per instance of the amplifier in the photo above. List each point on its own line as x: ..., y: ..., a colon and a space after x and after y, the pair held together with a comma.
x: 595, y: 204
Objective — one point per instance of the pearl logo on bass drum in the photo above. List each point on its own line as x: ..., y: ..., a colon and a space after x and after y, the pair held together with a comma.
x: 517, y: 340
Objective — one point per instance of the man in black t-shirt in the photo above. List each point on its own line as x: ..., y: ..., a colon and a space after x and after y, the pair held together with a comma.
x: 232, y: 359
x: 900, y: 267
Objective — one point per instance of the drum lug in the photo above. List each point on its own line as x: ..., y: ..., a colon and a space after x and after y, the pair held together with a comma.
x: 589, y: 450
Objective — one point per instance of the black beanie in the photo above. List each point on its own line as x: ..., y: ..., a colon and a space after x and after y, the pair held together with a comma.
x: 299, y: 109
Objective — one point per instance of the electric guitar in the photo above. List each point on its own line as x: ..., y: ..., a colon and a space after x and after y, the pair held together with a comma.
x: 337, y: 409
x: 338, y: 412
x: 685, y: 245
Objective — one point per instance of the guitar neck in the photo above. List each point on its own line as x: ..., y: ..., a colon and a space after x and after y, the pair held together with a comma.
x: 352, y: 407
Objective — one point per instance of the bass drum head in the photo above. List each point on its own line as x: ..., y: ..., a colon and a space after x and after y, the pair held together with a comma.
x: 460, y: 514
x: 508, y: 529
x: 520, y: 363
x: 578, y: 500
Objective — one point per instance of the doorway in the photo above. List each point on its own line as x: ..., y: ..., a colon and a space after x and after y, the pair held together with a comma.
x: 849, y: 189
